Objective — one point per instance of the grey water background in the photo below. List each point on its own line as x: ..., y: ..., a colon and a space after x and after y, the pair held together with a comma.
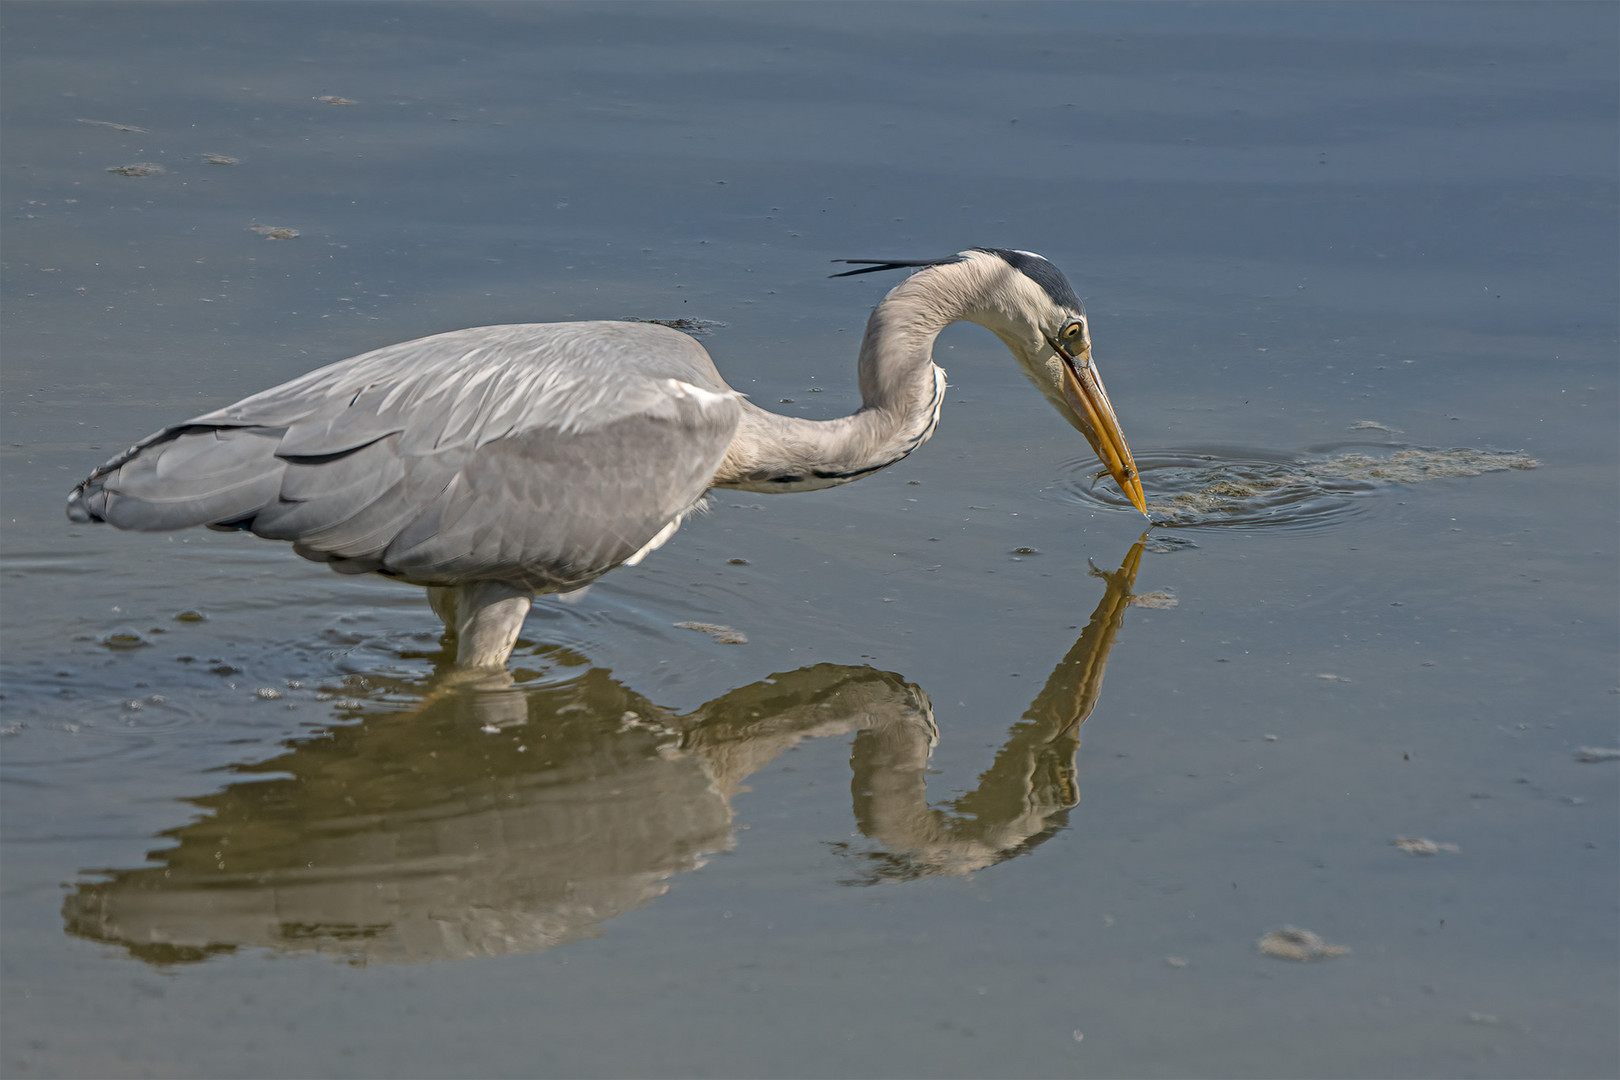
x: 270, y: 844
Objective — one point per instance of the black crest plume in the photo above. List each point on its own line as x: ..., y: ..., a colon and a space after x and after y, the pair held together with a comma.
x: 872, y: 266
x: 1035, y: 267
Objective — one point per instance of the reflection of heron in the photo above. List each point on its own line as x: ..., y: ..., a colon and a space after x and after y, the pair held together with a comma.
x: 413, y: 837
x: 498, y: 463
x: 1022, y: 798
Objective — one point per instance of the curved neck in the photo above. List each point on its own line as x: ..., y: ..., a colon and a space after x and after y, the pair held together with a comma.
x: 901, y: 394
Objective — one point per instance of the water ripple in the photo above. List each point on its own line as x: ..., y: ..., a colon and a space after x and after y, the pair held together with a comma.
x: 1250, y: 489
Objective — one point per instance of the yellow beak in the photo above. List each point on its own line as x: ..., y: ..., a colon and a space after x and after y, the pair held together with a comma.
x: 1083, y: 390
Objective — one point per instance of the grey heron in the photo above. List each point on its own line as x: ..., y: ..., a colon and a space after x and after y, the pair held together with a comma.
x: 495, y: 464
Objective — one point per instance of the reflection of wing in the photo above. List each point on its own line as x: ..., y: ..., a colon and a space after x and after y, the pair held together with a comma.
x: 399, y: 838
x: 543, y: 455
x: 402, y: 839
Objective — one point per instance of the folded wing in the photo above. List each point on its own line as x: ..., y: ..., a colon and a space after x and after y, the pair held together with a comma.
x: 541, y: 454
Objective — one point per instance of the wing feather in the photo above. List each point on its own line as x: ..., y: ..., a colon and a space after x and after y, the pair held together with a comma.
x: 540, y: 454
x: 320, y: 493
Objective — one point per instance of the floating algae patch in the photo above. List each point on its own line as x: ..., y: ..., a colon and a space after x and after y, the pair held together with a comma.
x: 694, y: 327
x: 1411, y: 466
x: 1293, y: 943
x: 274, y: 232
x: 1422, y: 845
x: 1252, y: 489
x: 725, y: 635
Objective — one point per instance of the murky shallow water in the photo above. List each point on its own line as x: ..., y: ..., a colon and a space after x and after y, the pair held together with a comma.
x: 874, y: 839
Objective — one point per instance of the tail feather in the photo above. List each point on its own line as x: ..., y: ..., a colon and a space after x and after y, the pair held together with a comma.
x: 192, y: 477
x: 342, y: 509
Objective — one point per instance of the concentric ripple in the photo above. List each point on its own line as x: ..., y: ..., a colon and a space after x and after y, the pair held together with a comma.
x: 1255, y: 489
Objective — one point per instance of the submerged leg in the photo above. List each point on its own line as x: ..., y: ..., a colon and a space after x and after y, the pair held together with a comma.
x: 484, y: 616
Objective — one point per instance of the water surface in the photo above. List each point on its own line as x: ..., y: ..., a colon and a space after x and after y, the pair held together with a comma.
x: 1342, y: 263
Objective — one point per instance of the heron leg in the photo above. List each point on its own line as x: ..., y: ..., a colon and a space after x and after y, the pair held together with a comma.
x: 485, y: 617
x: 442, y: 599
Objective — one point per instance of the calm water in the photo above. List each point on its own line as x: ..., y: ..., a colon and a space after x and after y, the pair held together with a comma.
x: 1352, y: 279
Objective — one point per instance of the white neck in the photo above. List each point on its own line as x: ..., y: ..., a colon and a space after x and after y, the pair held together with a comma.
x: 901, y: 394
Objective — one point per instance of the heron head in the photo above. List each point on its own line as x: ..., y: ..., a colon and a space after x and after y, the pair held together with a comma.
x: 1027, y: 302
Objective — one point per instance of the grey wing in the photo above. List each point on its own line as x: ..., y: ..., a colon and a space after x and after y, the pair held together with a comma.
x: 543, y: 455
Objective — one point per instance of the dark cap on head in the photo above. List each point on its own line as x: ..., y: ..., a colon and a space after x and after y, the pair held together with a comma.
x: 1033, y: 266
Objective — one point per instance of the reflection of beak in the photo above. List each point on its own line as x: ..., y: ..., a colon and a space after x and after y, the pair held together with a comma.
x: 1075, y: 684
x: 1083, y: 390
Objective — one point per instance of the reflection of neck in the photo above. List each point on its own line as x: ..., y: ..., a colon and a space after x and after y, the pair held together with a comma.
x: 741, y: 732
x: 1031, y: 781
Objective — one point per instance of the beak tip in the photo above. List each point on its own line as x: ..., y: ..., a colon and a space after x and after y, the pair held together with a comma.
x: 1133, y: 492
